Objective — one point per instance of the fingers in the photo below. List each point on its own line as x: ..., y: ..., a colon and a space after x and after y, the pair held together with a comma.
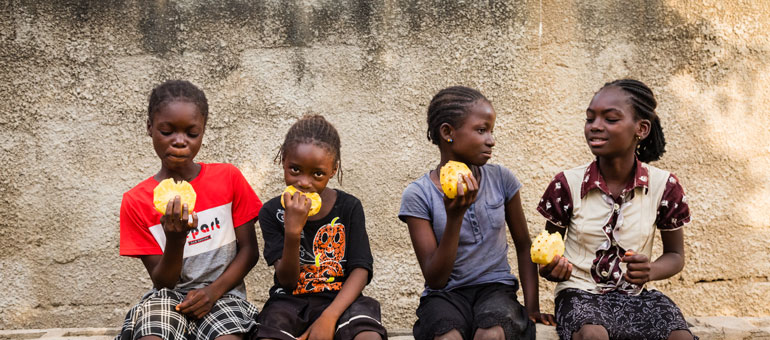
x: 191, y: 302
x: 194, y: 222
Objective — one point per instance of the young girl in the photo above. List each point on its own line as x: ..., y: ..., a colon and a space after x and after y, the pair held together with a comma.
x: 197, y: 268
x: 609, y: 210
x: 461, y: 243
x: 323, y: 262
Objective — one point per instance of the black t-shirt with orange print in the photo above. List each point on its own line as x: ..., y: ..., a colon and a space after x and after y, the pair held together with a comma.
x: 330, y: 248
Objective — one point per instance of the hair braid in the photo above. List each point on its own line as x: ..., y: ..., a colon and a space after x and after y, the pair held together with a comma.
x: 450, y: 105
x: 644, y: 104
x: 316, y: 130
x: 177, y: 90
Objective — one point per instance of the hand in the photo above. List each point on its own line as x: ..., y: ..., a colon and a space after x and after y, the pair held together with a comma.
x: 638, y: 270
x: 197, y: 303
x: 546, y: 319
x: 297, y: 209
x: 456, y: 207
x: 558, y: 270
x: 322, y: 329
x: 176, y: 221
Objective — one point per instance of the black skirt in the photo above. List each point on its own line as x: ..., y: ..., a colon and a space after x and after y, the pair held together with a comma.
x: 649, y: 315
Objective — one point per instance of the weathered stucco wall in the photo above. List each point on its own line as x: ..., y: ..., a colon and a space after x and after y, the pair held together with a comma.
x: 75, y: 75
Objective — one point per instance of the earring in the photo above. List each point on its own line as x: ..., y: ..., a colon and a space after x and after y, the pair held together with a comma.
x: 449, y: 140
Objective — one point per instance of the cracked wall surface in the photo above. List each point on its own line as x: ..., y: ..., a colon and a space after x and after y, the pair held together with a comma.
x: 75, y: 76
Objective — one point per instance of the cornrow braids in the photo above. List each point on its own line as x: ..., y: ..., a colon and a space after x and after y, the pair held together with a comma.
x: 316, y: 130
x: 450, y: 106
x: 177, y: 90
x: 643, y: 101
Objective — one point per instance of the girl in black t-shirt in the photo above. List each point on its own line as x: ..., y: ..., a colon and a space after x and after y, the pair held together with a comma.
x: 322, y: 262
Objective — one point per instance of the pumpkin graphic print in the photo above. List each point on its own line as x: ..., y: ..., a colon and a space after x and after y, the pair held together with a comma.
x: 328, y: 253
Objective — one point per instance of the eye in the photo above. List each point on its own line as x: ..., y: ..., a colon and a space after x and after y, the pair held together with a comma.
x: 589, y: 120
x: 193, y: 135
x: 294, y: 169
x: 165, y: 133
x: 318, y: 174
x: 481, y: 130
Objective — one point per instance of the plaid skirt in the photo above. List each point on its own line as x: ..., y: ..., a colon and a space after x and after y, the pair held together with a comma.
x: 649, y: 315
x: 155, y: 315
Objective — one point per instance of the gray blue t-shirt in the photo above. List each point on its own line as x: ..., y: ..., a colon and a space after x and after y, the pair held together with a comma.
x: 482, y: 251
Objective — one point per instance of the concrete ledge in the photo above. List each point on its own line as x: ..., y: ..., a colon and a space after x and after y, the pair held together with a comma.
x: 707, y: 328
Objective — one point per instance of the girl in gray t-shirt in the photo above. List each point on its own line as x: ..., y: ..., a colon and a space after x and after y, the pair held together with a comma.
x: 460, y: 243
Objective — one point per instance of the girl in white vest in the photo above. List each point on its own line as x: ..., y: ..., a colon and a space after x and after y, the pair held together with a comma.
x: 608, y: 211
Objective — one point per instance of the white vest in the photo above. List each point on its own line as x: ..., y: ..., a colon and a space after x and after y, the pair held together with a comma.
x: 635, y: 227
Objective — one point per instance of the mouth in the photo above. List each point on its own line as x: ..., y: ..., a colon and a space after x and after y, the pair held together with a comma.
x: 177, y: 157
x: 595, y: 142
x: 487, y: 154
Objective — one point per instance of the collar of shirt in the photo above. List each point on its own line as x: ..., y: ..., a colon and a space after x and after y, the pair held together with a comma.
x: 592, y: 179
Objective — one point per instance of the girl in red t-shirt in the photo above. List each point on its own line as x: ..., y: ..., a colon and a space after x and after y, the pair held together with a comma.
x: 196, y: 259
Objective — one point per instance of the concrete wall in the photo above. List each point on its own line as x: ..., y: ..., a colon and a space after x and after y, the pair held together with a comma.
x: 75, y: 76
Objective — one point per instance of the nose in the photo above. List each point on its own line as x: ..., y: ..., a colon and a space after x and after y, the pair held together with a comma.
x: 303, y: 182
x: 179, y: 140
x: 596, y: 125
x: 491, y: 140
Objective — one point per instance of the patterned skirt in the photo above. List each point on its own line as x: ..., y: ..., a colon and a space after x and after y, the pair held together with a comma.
x: 155, y: 315
x: 649, y: 315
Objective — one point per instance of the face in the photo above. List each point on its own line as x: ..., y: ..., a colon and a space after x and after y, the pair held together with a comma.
x: 472, y: 141
x: 611, y: 127
x: 308, y: 167
x: 177, y: 132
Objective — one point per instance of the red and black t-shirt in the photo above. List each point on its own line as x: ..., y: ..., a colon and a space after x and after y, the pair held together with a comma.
x: 224, y: 201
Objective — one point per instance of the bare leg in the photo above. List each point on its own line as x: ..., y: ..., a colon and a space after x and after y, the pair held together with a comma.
x: 491, y: 333
x: 680, y: 334
x: 451, y: 335
x: 591, y: 332
x: 367, y: 335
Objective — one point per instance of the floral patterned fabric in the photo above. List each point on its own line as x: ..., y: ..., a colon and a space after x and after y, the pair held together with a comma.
x: 556, y: 205
x: 649, y: 315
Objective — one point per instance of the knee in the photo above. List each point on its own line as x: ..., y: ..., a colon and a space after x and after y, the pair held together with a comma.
x: 680, y: 335
x: 591, y: 332
x: 451, y: 335
x: 492, y: 333
x: 368, y: 335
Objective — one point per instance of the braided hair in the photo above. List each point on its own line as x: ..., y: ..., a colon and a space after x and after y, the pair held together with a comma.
x: 177, y: 90
x: 316, y: 130
x: 450, y: 106
x: 644, y: 104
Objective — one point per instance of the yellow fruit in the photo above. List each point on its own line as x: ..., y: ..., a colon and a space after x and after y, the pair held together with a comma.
x: 449, y: 175
x: 545, y: 247
x: 315, y: 199
x: 168, y: 189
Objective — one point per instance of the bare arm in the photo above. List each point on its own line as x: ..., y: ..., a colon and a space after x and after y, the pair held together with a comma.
x: 165, y: 269
x: 640, y: 270
x: 437, y: 258
x: 295, y: 217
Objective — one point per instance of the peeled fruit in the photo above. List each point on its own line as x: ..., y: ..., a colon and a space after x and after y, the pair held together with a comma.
x: 449, y: 175
x: 168, y: 189
x: 315, y: 199
x: 545, y: 247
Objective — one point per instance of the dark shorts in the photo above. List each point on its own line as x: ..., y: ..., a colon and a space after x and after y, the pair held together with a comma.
x: 286, y: 316
x: 469, y: 308
x: 649, y: 315
x: 155, y: 315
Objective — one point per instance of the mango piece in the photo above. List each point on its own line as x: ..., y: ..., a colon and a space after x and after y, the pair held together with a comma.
x: 315, y: 199
x: 545, y: 247
x: 449, y: 175
x: 168, y: 189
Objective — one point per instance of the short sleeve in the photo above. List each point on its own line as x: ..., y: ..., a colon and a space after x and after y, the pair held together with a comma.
x: 246, y: 204
x: 673, y: 211
x: 359, y: 254
x: 272, y: 232
x: 414, y: 203
x: 556, y: 203
x: 511, y: 184
x: 135, y: 237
